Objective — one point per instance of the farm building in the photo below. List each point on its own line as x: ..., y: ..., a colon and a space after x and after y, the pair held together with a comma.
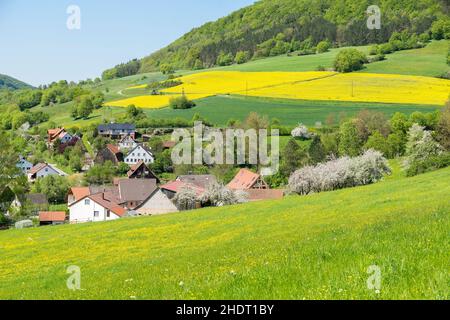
x: 138, y: 154
x: 52, y: 218
x: 141, y: 171
x: 109, y: 153
x: 127, y: 143
x: 246, y: 179
x: 117, y: 130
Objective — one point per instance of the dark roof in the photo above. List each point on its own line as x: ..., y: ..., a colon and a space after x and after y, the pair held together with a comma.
x: 136, y: 189
x: 37, y: 198
x: 116, y: 126
x: 202, y: 181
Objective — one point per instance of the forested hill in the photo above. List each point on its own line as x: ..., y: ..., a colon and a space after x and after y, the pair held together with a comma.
x: 7, y: 82
x: 273, y: 27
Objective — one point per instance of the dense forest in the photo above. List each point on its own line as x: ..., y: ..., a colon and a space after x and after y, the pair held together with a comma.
x: 7, y: 82
x: 273, y: 27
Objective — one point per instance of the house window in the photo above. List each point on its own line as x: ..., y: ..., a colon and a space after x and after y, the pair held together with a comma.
x: 87, y: 202
x: 96, y: 214
x: 108, y: 214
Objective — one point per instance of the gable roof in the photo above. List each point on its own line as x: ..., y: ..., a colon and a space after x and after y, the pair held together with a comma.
x: 52, y: 216
x: 140, y: 146
x: 177, y: 186
x: 199, y: 180
x: 55, y: 133
x: 116, y: 126
x: 137, y: 166
x: 114, y: 149
x: 105, y: 201
x: 127, y: 138
x: 37, y: 168
x: 80, y: 192
x: 136, y: 189
x: 107, y: 204
x: 245, y: 179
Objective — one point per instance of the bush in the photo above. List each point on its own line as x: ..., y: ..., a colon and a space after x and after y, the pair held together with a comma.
x: 340, y: 173
x: 242, y: 57
x: 420, y: 145
x: 431, y: 164
x: 349, y: 60
x: 301, y: 132
x: 323, y: 46
x: 181, y: 103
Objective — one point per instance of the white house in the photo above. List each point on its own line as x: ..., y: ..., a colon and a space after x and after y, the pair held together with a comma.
x: 157, y: 203
x: 95, y: 208
x: 65, y: 137
x: 140, y: 153
x: 42, y: 170
x: 127, y: 143
x: 24, y: 165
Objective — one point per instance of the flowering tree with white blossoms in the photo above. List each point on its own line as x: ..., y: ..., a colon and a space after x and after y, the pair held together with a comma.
x: 340, y: 173
x: 302, y: 132
x: 420, y: 145
x: 186, y: 199
x: 218, y: 195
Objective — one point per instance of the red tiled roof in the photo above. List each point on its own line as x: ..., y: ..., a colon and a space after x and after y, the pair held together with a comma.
x: 80, y: 192
x: 112, y: 206
x: 49, y: 216
x: 176, y: 186
x: 169, y: 144
x: 245, y: 179
x: 37, y: 168
x: 55, y: 133
x: 114, y: 149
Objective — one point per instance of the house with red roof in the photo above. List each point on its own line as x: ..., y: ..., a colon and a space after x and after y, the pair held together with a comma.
x: 61, y: 135
x: 109, y: 153
x: 95, y: 208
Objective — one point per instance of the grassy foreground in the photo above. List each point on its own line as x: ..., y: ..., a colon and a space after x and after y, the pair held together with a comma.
x: 312, y: 247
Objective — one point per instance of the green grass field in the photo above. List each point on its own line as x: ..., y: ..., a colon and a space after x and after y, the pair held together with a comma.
x: 314, y: 247
x: 220, y: 109
x: 429, y: 61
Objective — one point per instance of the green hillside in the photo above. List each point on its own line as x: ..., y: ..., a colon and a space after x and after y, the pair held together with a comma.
x: 7, y: 82
x: 315, y: 247
x: 273, y: 27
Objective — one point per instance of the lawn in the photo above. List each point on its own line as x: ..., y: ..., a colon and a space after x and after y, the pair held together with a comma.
x: 220, y: 109
x: 314, y: 247
x: 429, y: 61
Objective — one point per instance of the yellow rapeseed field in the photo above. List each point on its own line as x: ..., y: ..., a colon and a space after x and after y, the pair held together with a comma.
x: 358, y: 87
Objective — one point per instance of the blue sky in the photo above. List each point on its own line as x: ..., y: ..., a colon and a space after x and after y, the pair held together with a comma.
x: 36, y: 46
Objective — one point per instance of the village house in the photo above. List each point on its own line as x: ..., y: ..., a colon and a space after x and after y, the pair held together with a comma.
x: 127, y: 143
x: 47, y: 218
x: 24, y: 165
x: 246, y: 179
x: 169, y: 144
x: 117, y: 130
x: 132, y: 196
x: 42, y: 170
x: 95, y: 208
x: 138, y: 154
x: 141, y: 171
x: 109, y: 153
x: 200, y: 180
x: 65, y: 139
